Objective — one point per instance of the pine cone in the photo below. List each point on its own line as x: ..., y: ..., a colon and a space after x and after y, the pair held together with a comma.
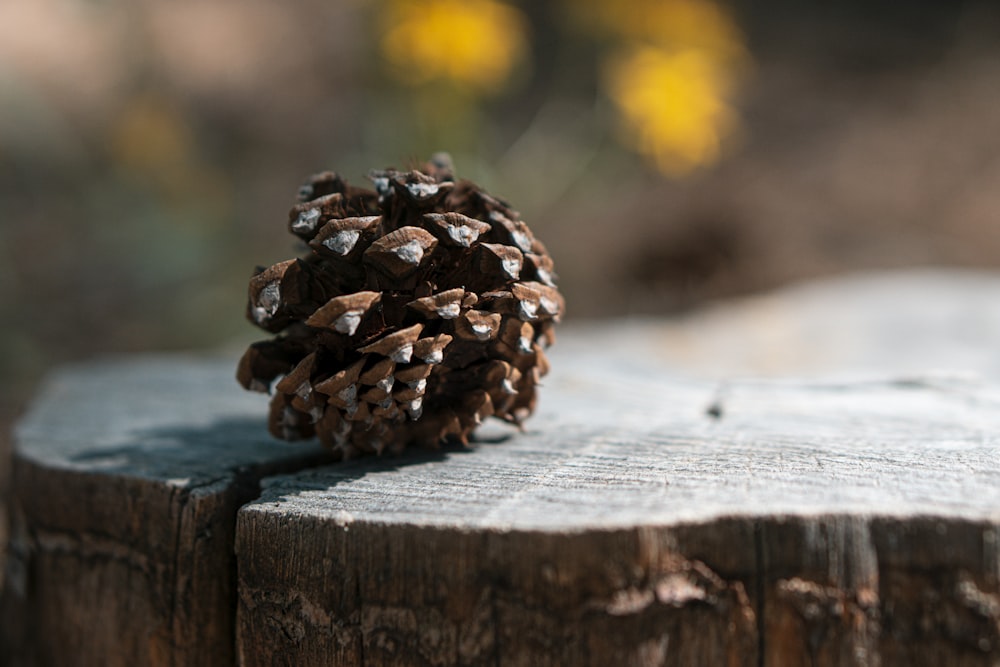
x: 422, y: 309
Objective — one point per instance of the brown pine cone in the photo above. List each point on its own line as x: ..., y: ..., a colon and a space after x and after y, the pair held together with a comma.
x: 422, y: 309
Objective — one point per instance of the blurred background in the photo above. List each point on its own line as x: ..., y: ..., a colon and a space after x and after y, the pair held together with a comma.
x: 669, y: 152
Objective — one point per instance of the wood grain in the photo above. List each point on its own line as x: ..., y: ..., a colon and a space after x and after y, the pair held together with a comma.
x: 806, y: 478
x: 834, y: 523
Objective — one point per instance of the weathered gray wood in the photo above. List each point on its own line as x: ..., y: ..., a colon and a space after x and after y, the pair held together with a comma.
x: 842, y: 522
x: 646, y: 517
x: 127, y: 478
x: 663, y: 507
x: 897, y: 323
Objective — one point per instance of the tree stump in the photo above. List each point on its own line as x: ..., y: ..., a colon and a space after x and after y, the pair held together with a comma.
x: 126, y: 481
x: 646, y: 516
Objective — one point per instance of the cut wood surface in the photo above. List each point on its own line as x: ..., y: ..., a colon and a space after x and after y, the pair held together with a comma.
x: 810, y: 477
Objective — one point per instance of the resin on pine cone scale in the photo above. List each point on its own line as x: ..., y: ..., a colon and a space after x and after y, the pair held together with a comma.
x: 422, y: 309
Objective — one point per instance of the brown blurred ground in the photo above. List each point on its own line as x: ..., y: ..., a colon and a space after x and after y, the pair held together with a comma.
x: 148, y: 155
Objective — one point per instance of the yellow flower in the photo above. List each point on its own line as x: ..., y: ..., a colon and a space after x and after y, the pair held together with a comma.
x: 673, y: 106
x: 152, y: 142
x: 151, y: 136
x: 675, y: 75
x: 470, y: 43
x: 675, y: 24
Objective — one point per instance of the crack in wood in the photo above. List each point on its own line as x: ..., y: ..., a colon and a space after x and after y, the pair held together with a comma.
x: 760, y: 589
